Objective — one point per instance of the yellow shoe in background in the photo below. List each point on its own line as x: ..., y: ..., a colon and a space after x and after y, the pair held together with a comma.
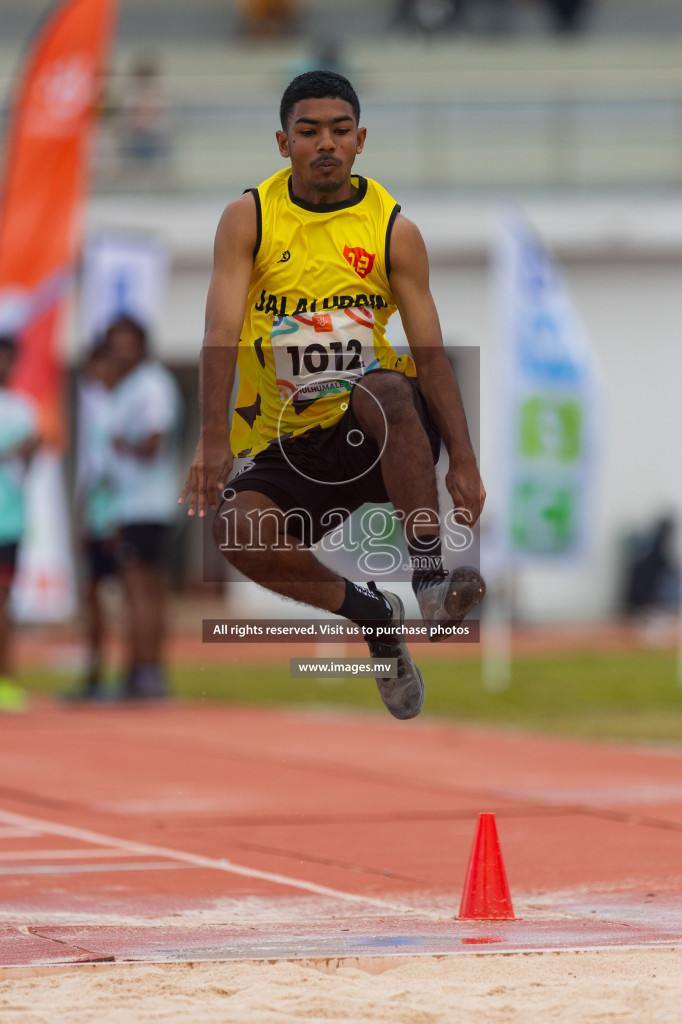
x: 13, y: 698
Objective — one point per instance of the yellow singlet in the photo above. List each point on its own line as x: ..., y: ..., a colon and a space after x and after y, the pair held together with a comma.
x: 317, y: 309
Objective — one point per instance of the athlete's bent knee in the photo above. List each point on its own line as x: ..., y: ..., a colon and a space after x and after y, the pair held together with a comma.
x: 386, y: 395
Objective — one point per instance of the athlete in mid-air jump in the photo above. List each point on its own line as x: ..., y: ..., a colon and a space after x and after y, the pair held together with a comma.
x: 308, y: 268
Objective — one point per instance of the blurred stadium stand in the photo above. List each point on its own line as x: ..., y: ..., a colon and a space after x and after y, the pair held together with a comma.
x: 462, y: 112
x: 165, y: 20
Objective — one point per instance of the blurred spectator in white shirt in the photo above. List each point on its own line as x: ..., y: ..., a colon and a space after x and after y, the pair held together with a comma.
x: 95, y: 508
x: 145, y: 430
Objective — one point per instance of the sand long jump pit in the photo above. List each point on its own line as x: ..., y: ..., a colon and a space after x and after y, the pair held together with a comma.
x: 215, y: 864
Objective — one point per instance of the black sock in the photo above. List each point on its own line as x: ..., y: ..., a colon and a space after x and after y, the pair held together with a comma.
x: 425, y: 557
x: 365, y: 606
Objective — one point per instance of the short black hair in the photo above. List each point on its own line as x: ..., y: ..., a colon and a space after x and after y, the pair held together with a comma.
x: 127, y: 323
x: 317, y: 85
x: 8, y: 342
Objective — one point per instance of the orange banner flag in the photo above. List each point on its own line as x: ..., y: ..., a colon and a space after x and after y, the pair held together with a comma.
x: 44, y: 185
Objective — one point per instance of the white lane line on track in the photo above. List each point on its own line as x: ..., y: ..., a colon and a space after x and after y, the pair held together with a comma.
x: 197, y: 860
x: 72, y: 854
x: 81, y: 869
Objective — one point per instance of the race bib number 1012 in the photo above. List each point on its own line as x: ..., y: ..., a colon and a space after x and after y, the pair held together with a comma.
x: 319, y: 354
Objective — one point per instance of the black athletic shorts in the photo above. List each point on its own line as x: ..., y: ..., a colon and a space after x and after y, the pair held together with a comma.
x: 8, y: 563
x: 100, y: 557
x: 323, y: 470
x: 146, y: 543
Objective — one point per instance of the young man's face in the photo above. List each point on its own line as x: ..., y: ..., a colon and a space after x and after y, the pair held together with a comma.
x: 322, y: 141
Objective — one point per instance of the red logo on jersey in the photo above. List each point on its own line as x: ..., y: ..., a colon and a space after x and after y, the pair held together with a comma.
x: 320, y: 321
x: 360, y: 260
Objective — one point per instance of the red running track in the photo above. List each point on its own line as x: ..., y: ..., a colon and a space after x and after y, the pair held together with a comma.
x: 188, y: 832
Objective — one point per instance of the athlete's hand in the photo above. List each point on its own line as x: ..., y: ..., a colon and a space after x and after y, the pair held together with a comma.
x: 466, y: 489
x: 208, y: 473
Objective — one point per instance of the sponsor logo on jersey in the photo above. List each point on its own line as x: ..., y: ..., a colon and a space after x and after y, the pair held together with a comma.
x: 320, y: 322
x: 285, y: 257
x: 360, y: 260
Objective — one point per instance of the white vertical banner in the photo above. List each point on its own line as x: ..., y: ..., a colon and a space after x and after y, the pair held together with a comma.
x: 122, y: 275
x: 549, y: 404
x: 44, y: 588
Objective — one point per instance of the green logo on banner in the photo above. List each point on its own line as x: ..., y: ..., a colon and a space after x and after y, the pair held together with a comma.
x: 550, y: 428
x: 544, y: 519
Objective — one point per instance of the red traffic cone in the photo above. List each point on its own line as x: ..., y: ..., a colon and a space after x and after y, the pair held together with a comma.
x: 486, y: 894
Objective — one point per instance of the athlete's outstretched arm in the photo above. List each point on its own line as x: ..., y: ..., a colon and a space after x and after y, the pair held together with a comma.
x: 225, y: 307
x: 410, y: 285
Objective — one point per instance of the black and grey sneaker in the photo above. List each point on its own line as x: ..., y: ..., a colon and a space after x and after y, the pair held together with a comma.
x: 404, y: 694
x: 444, y: 599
